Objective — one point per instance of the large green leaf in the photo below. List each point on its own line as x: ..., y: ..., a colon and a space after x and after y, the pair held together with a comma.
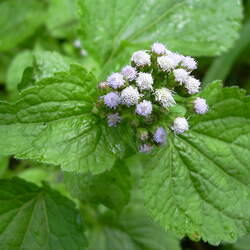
x: 19, y: 20
x: 62, y: 19
x: 198, y: 185
x: 37, y: 218
x: 111, y: 188
x: 53, y: 122
x: 198, y: 27
x: 242, y: 244
x: 132, y: 230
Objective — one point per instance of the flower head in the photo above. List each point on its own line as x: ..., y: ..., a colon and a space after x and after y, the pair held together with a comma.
x: 77, y: 43
x: 145, y: 148
x: 113, y: 119
x: 200, y: 106
x: 103, y: 85
x: 164, y: 97
x: 144, y: 108
x: 144, y: 81
x: 141, y: 58
x: 129, y: 73
x: 158, y: 48
x: 130, y: 96
x: 160, y: 135
x: 177, y: 58
x: 189, y: 63
x: 180, y: 75
x: 192, y: 85
x: 115, y: 80
x: 166, y: 63
x: 112, y: 100
x: 180, y: 125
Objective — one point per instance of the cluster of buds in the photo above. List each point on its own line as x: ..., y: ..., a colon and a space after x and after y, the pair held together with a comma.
x: 146, y: 95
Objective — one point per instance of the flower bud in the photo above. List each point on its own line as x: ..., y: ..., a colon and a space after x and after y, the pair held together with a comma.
x: 180, y: 125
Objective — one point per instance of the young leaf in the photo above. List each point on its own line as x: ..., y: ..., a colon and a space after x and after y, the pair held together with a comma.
x: 19, y: 20
x: 198, y: 185
x: 15, y: 71
x: 133, y: 230
x: 111, y: 188
x: 52, y: 122
x: 37, y: 218
x: 198, y: 27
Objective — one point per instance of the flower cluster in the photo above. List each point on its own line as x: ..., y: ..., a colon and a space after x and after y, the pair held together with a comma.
x: 145, y: 93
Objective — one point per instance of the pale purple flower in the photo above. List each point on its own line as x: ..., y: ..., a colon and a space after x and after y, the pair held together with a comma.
x: 158, y: 49
x: 113, y: 119
x: 180, y: 125
x: 115, y: 80
x: 200, y: 106
x: 112, y: 100
x: 189, y: 63
x: 166, y: 63
x: 145, y: 148
x: 83, y: 52
x: 192, y: 85
x: 180, y: 75
x: 144, y: 81
x: 130, y: 96
x: 164, y: 97
x: 160, y: 135
x: 141, y: 58
x: 144, y: 108
x: 77, y: 43
x: 103, y: 85
x: 129, y: 73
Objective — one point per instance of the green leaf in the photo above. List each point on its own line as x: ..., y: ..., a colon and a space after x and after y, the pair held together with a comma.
x: 4, y: 162
x: 133, y: 230
x: 222, y: 65
x: 19, y: 20
x: 61, y: 19
x: 37, y: 218
x: 198, y: 185
x: 15, y: 71
x: 197, y: 27
x: 47, y: 63
x: 242, y: 244
x: 111, y: 188
x: 52, y: 122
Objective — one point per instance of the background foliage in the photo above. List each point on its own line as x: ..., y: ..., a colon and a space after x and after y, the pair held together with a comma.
x: 76, y: 184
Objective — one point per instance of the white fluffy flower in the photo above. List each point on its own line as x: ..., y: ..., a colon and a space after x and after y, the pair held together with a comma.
x: 144, y: 108
x: 164, y: 97
x: 189, y: 63
x: 180, y: 75
x: 129, y: 73
x: 130, y: 96
x: 141, y: 58
x: 200, y: 106
x: 115, y: 80
x: 177, y: 58
x: 166, y: 63
x: 180, y: 125
x: 144, y: 81
x: 192, y: 85
x: 158, y: 48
